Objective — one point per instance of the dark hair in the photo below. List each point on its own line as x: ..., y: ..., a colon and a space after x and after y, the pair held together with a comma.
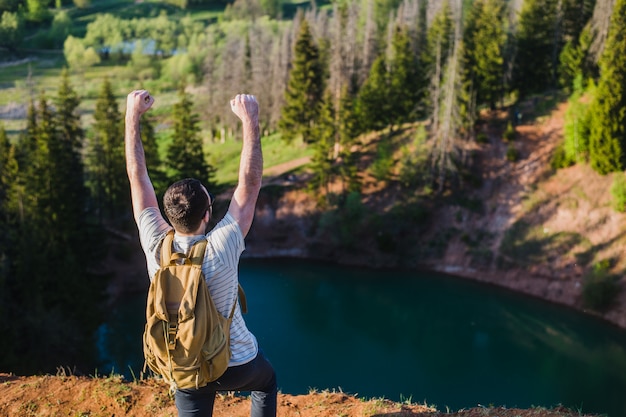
x: 185, y: 203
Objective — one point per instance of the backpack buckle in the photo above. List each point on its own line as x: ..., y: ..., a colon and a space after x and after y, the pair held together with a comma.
x: 172, y: 329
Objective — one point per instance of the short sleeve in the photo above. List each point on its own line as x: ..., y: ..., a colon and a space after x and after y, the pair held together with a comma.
x: 152, y: 230
x: 227, y: 240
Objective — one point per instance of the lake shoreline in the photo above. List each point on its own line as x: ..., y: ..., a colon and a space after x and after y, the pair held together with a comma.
x: 564, y: 290
x: 562, y: 287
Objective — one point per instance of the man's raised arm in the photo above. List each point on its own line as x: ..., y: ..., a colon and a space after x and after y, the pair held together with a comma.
x: 243, y: 204
x: 141, y: 189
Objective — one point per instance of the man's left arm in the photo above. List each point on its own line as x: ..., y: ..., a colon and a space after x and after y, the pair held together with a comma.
x: 243, y: 203
x: 141, y: 188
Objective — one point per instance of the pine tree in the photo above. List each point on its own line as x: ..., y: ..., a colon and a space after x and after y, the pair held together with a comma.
x: 483, y: 41
x: 304, y: 90
x: 575, y: 17
x: 27, y: 163
x: 41, y: 185
x: 8, y: 171
x: 537, y: 40
x: 372, y: 106
x: 153, y: 160
x: 67, y: 164
x: 392, y: 92
x: 322, y: 162
x: 105, y: 156
x: 5, y: 147
x: 8, y: 178
x: 47, y: 251
x: 607, y: 141
x: 24, y: 226
x: 346, y: 120
x: 406, y: 81
x: 439, y: 39
x: 35, y: 270
x: 185, y: 155
x: 574, y: 61
x: 576, y: 124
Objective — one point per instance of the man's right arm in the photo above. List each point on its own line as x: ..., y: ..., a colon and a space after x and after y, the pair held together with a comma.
x: 141, y: 189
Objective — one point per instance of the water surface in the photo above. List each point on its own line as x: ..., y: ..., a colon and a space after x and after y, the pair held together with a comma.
x: 413, y: 335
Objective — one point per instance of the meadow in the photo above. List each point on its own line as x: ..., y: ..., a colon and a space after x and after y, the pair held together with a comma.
x: 36, y: 70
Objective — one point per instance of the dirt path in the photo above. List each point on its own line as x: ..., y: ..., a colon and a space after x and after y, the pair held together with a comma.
x: 270, y: 174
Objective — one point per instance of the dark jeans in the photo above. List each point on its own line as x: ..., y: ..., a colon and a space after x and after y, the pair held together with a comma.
x: 257, y: 376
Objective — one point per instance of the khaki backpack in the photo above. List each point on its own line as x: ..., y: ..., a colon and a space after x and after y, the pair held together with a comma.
x: 186, y: 340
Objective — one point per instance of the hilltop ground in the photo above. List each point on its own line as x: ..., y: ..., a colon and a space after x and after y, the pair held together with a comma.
x: 573, y: 200
x: 44, y: 396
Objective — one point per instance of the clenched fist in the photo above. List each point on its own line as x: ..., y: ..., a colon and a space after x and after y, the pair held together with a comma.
x: 137, y: 103
x: 245, y: 107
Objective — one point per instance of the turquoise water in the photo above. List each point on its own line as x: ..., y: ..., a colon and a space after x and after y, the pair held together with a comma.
x: 413, y: 335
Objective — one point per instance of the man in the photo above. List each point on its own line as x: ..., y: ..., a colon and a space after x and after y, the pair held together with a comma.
x: 188, y: 207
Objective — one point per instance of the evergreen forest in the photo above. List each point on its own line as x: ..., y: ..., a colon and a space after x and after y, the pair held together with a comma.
x: 327, y: 75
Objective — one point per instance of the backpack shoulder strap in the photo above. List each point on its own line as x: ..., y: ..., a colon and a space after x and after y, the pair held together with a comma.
x: 166, y: 248
x: 242, y: 300
x: 196, y: 253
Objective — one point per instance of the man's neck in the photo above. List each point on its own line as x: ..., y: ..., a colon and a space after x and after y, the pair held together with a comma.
x: 200, y: 231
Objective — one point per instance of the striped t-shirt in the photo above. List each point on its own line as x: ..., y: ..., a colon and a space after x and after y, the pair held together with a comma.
x: 220, y: 267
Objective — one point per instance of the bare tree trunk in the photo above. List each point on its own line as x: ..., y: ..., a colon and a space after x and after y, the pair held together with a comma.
x: 318, y: 22
x: 230, y: 78
x: 391, y: 27
x: 207, y: 104
x: 369, y: 41
x: 280, y: 72
x: 264, y: 53
x: 432, y: 9
x: 351, y: 42
x: 510, y: 52
x: 435, y: 87
x: 409, y: 17
x: 336, y: 64
x: 337, y: 69
x: 600, y: 22
x: 450, y: 125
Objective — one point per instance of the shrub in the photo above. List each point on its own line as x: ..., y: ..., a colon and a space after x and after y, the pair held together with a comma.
x: 576, y: 128
x: 599, y: 287
x: 512, y: 154
x: 382, y: 165
x: 618, y: 191
x: 414, y: 167
x: 560, y: 159
x: 482, y: 138
x: 509, y: 133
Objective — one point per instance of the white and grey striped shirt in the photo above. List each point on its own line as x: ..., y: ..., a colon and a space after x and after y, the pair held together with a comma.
x: 220, y: 268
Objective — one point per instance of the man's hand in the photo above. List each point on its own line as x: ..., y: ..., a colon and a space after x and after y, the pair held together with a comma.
x: 137, y: 103
x: 246, y: 108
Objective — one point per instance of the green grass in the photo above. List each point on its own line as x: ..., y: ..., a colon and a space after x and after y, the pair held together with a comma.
x: 225, y: 156
x: 43, y: 73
